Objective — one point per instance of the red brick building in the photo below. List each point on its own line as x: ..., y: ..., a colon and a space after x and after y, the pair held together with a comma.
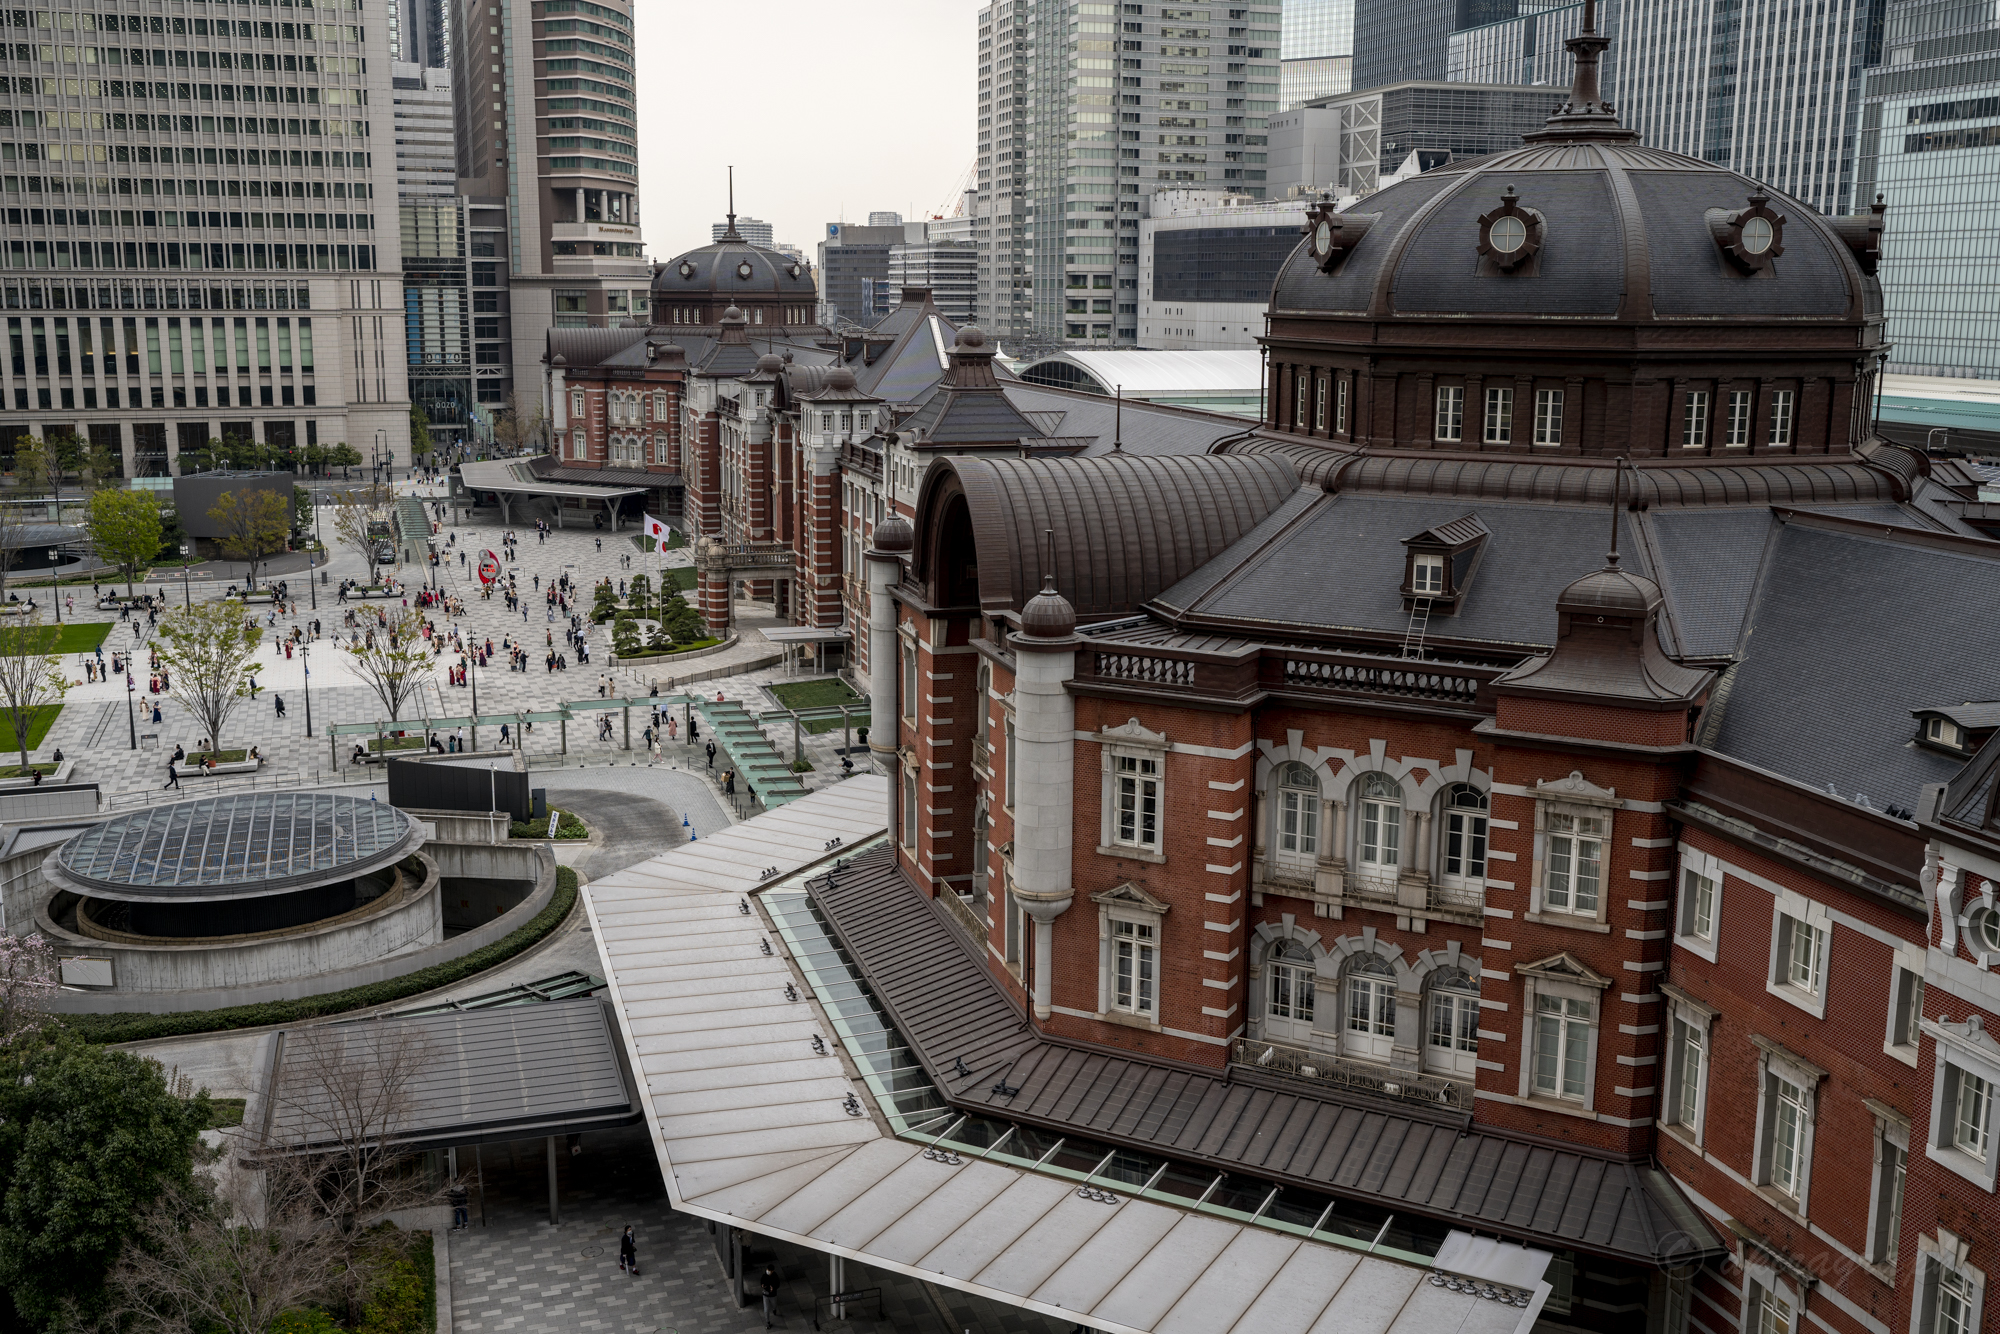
x: 1523, y: 785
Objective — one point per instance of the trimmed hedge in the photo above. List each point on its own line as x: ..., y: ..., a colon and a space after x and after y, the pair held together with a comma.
x: 131, y: 1027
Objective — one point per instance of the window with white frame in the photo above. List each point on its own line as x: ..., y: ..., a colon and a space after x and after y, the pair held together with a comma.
x: 659, y: 406
x: 1298, y: 813
x: 1562, y: 1046
x: 1319, y: 403
x: 1012, y: 750
x: 1291, y: 982
x: 1694, y: 420
x: 1953, y: 1303
x: 1787, y: 1091
x: 1299, y: 407
x: 1135, y: 962
x: 1906, y: 1009
x: 1379, y: 827
x: 909, y: 808
x: 1427, y: 574
x: 1737, y: 433
x: 1782, y: 412
x: 1369, y: 1030
x: 1548, y: 416
x: 577, y: 446
x: 1464, y: 860
x: 576, y: 404
x: 1015, y: 928
x: 1573, y: 861
x: 1798, y: 952
x: 910, y: 684
x: 1885, y: 1194
x: 1950, y: 1292
x: 1451, y: 1046
x: 1687, y: 1069
x: 1770, y: 1313
x: 1450, y: 423
x: 1499, y: 416
x: 1340, y: 404
x: 1700, y: 907
x: 1135, y: 815
x: 1969, y: 1113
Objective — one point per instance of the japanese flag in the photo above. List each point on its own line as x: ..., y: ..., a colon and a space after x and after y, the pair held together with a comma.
x: 655, y: 529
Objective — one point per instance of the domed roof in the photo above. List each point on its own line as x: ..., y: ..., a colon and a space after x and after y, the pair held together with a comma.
x: 1048, y: 614
x: 732, y: 269
x: 1611, y: 591
x: 1583, y: 222
x: 894, y: 536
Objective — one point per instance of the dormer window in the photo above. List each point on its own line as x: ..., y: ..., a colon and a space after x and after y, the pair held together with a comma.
x: 1943, y: 732
x: 1427, y: 576
x: 1957, y: 729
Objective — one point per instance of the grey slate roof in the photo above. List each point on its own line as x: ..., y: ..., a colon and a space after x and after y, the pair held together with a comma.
x: 1580, y: 267
x: 1150, y: 429
x: 949, y: 1007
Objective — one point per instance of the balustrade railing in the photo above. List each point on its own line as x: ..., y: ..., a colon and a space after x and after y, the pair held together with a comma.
x: 1336, y: 1073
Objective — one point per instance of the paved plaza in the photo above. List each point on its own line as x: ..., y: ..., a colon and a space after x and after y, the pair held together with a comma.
x: 98, y: 731
x: 512, y: 1273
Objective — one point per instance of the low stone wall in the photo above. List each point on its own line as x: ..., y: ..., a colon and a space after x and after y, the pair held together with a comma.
x: 534, y: 863
x: 476, y: 827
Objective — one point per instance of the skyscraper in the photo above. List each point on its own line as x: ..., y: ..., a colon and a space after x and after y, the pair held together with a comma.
x: 1087, y: 108
x: 420, y: 32
x: 548, y: 157
x: 1318, y: 48
x: 1399, y: 40
x: 1930, y: 146
x: 209, y: 256
x: 437, y: 350
x: 754, y: 230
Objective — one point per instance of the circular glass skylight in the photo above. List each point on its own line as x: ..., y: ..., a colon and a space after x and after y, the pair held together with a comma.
x: 1507, y: 234
x: 1757, y: 235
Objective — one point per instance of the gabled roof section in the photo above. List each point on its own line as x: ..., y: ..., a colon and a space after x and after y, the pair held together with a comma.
x: 1452, y: 534
x: 584, y: 348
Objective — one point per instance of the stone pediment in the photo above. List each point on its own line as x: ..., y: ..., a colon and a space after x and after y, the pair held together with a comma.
x: 1132, y: 732
x: 1576, y: 788
x: 1129, y: 895
x: 1564, y: 967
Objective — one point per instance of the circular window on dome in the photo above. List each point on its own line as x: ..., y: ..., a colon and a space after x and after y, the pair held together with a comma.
x: 1332, y: 235
x: 744, y: 270
x: 687, y: 269
x: 794, y: 270
x: 1511, y: 235
x: 1752, y: 237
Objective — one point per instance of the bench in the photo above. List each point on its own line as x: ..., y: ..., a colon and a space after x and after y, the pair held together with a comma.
x: 233, y: 767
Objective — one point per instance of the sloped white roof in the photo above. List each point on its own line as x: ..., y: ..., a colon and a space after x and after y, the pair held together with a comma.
x: 755, y: 1128
x: 1164, y: 374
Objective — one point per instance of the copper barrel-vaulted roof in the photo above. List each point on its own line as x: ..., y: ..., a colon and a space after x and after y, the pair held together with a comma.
x: 1125, y: 527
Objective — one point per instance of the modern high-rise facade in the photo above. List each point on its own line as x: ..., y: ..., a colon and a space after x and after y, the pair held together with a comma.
x: 1755, y: 85
x: 198, y: 234
x: 1318, y: 50
x: 944, y: 260
x: 754, y: 230
x: 854, y: 285
x: 437, y: 346
x: 548, y: 161
x: 1930, y: 146
x: 1085, y: 109
x: 420, y: 32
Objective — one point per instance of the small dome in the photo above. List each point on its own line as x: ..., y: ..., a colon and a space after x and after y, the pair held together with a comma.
x: 971, y: 338
x: 1048, y: 615
x: 1611, y: 591
x: 840, y: 378
x: 894, y: 536
x: 733, y: 315
x: 770, y: 361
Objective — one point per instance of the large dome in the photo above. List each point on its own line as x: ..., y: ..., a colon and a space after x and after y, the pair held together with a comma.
x: 733, y: 272
x: 1599, y: 230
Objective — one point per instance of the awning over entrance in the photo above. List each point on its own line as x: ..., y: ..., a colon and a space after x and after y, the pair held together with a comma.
x: 780, y: 1104
x: 513, y: 479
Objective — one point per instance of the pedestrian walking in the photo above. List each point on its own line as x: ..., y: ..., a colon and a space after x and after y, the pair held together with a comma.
x: 711, y: 754
x: 279, y: 700
x: 461, y: 1218
x: 173, y: 777
x: 628, y: 1253
x: 768, y: 1285
x: 728, y: 782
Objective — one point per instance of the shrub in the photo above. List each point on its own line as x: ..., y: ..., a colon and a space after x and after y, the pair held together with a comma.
x: 130, y: 1027
x: 310, y: 1320
x: 403, y: 1299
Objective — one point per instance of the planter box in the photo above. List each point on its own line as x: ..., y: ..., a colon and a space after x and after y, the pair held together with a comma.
x: 233, y: 767
x: 61, y: 775
x: 253, y: 597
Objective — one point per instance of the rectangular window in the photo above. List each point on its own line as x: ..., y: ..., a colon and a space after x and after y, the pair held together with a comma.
x: 1774, y: 1313
x: 1548, y: 416
x: 1562, y: 1047
x: 1740, y: 401
x: 909, y: 683
x: 1694, y: 420
x: 1427, y: 575
x: 909, y: 808
x: 1688, y: 1064
x: 1137, y: 804
x: 1697, y: 905
x: 1789, y: 1118
x: 1319, y: 403
x: 1450, y: 413
x: 1971, y: 1105
x: 1906, y: 1008
x: 1575, y: 862
x: 1955, y: 1304
x: 1340, y: 406
x: 1888, y: 1202
x: 576, y: 405
x: 1801, y: 954
x: 1780, y: 435
x: 1499, y: 416
x: 1134, y: 966
x: 1010, y: 764
x: 1299, y: 407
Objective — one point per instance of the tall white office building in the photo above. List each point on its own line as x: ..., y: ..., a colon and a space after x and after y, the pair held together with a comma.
x: 1318, y: 47
x: 1086, y: 107
x: 198, y: 229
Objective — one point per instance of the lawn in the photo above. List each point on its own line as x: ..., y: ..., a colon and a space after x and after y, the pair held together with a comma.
x: 824, y: 694
x: 681, y: 577
x: 38, y: 727
x: 82, y: 638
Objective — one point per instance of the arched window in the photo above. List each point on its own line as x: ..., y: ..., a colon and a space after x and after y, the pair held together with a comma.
x: 1298, y: 813
x: 1452, y: 1044
x: 1369, y: 1027
x: 1379, y: 827
x: 1289, y: 977
x: 1464, y: 860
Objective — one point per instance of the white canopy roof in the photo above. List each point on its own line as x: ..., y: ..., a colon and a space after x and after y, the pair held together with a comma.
x: 757, y: 1128
x: 1164, y: 374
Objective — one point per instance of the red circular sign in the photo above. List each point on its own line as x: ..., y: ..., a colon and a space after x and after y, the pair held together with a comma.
x: 489, y: 567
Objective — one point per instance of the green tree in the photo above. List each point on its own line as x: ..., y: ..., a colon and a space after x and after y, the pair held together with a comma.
x: 125, y: 529
x: 253, y: 524
x: 604, y: 604
x: 31, y: 673
x: 209, y: 651
x: 681, y: 621
x: 639, y: 594
x: 89, y: 1137
x: 343, y: 456
x: 394, y: 660
x: 420, y: 432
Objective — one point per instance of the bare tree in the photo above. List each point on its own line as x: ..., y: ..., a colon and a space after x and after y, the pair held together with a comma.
x: 208, y: 650
x: 394, y: 660
x: 522, y: 426
x: 227, y: 1258
x: 29, y: 975
x: 343, y: 1099
x: 354, y: 511
x: 31, y: 677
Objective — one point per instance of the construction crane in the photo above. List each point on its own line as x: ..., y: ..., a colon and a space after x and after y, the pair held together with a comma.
x: 954, y: 204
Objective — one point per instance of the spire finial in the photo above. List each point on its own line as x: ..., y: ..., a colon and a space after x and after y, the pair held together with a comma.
x: 1617, y: 494
x: 731, y: 235
x: 1586, y: 115
x: 1049, y: 572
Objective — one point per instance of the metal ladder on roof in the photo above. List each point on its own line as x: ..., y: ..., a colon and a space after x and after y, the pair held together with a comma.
x: 1420, y: 620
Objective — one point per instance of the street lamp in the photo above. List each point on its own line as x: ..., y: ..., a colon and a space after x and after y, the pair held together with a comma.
x: 187, y: 597
x: 305, y: 657
x: 312, y: 585
x: 55, y: 590
x: 130, y: 726
x: 381, y: 450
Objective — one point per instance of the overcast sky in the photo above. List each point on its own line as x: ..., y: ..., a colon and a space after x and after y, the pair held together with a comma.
x: 830, y: 109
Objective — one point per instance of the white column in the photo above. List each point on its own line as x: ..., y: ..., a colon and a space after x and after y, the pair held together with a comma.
x: 579, y: 205
x: 884, y: 723
x: 1044, y: 794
